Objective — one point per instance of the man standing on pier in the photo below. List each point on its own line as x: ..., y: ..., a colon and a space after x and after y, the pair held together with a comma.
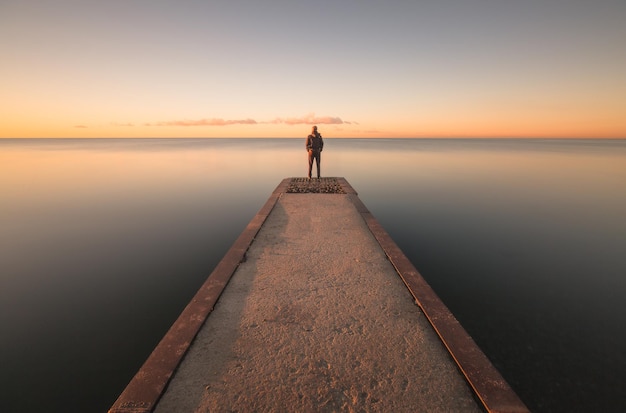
x: 314, y: 146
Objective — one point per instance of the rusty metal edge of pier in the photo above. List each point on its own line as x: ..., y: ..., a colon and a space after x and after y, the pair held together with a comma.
x: 145, y: 389
x: 488, y: 385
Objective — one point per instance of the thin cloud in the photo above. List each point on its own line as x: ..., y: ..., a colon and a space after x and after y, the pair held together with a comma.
x: 311, y: 120
x: 209, y: 122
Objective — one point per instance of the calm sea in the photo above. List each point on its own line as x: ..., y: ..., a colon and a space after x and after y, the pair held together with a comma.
x: 103, y: 242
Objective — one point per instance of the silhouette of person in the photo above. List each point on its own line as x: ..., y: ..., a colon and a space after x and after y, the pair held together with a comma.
x: 314, y: 146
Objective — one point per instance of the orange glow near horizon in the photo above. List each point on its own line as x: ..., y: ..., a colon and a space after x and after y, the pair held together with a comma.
x: 435, y: 128
x: 456, y: 120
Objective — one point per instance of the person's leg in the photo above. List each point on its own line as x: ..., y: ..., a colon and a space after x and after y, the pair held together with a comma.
x: 310, y: 163
x: 318, y: 159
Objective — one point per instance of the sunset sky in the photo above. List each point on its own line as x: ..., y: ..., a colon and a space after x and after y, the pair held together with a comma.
x: 362, y: 68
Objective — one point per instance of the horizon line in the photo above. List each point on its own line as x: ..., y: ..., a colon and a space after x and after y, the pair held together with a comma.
x: 343, y: 137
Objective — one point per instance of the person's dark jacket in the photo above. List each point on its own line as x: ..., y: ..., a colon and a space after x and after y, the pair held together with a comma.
x: 314, y: 142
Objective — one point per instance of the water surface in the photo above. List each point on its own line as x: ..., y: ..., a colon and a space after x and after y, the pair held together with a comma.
x: 104, y: 242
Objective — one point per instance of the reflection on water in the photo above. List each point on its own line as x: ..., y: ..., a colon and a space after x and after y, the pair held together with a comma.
x: 103, y: 243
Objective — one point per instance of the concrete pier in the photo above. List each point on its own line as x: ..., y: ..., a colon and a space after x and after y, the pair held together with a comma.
x: 314, y: 308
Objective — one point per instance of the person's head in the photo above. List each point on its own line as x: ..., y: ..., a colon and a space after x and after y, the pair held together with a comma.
x: 314, y: 130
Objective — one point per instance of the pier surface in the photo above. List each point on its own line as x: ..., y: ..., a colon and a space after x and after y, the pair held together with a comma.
x: 314, y: 310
